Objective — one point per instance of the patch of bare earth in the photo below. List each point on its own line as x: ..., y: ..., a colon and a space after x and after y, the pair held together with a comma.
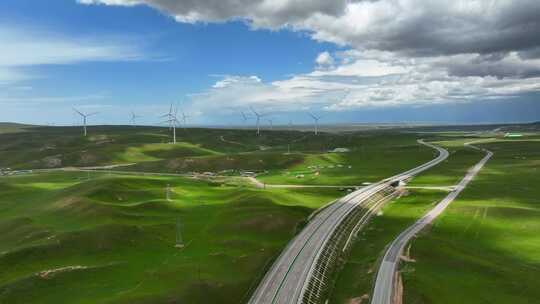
x: 87, y: 158
x: 397, y: 297
x: 406, y: 256
x: 47, y: 147
x: 47, y: 274
x: 101, y: 139
x: 264, y: 223
x: 53, y: 161
x: 359, y: 300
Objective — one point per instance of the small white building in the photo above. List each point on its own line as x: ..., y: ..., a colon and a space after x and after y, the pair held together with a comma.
x: 513, y: 135
x: 339, y: 150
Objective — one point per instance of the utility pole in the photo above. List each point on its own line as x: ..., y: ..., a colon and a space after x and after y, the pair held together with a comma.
x: 290, y: 137
x: 179, y: 241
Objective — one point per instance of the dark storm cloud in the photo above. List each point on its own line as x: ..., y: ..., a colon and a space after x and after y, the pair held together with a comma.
x: 443, y: 28
x: 499, y: 70
x: 411, y: 27
x: 272, y: 14
x: 499, y: 65
x: 530, y: 54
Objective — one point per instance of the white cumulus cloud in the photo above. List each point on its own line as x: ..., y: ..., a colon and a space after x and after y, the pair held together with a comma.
x: 324, y: 59
x: 400, y: 51
x: 365, y: 79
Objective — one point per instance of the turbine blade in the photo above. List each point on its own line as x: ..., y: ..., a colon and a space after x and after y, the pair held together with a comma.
x: 78, y: 112
x: 254, y: 112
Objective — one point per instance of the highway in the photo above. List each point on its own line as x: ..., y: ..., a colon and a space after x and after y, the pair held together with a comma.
x: 287, y: 280
x: 385, y: 283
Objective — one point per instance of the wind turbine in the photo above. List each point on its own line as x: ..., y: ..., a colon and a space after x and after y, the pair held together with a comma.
x: 169, y: 115
x: 271, y: 124
x: 84, y: 116
x: 316, y: 119
x: 184, y: 119
x: 172, y: 120
x: 133, y: 118
x: 258, y: 116
x: 245, y: 117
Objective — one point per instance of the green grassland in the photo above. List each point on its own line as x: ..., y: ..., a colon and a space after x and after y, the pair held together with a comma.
x: 485, y: 248
x: 50, y: 147
x: 7, y: 127
x: 372, y: 156
x: 117, y: 233
x: 351, y: 168
x: 358, y: 274
x: 278, y: 156
x: 97, y: 237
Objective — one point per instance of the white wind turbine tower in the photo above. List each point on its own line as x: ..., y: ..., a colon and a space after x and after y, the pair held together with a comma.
x: 271, y: 124
x: 316, y: 119
x: 84, y: 117
x: 169, y: 115
x: 172, y: 120
x: 134, y: 118
x: 258, y: 116
x: 184, y: 119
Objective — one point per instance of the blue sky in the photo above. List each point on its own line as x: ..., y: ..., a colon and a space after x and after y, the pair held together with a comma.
x: 117, y: 56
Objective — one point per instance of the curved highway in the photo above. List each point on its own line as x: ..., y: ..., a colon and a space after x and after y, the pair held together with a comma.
x: 287, y: 279
x: 386, y: 275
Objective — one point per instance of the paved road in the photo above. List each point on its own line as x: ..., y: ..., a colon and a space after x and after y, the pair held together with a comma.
x: 385, y: 282
x: 260, y: 184
x: 287, y: 279
x: 442, y: 188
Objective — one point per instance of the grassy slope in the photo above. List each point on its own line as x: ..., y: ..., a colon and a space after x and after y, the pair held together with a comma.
x: 357, y: 276
x: 7, y: 127
x: 42, y: 147
x: 124, y: 232
x: 373, y: 156
x: 122, y: 229
x: 485, y: 248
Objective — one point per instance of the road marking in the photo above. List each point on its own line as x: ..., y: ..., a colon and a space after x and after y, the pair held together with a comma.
x: 385, y: 282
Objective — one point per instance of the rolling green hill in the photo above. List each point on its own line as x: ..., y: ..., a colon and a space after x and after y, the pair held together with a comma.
x: 97, y: 237
x: 485, y: 248
x: 109, y: 237
x: 65, y: 238
x: 10, y: 127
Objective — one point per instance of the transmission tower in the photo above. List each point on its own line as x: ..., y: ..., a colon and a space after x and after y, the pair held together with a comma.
x: 168, y: 192
x: 179, y: 241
